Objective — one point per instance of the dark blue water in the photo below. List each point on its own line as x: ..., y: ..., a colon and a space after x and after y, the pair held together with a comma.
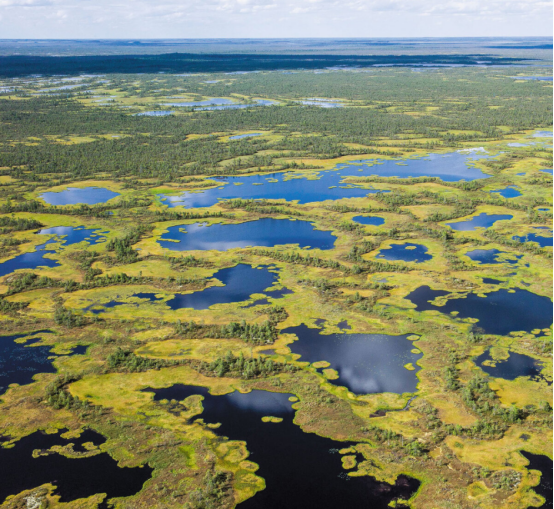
x: 500, y: 312
x: 263, y: 232
x: 74, y: 478
x: 547, y: 171
x: 542, y: 240
x: 154, y: 113
x: 406, y: 252
x: 483, y: 220
x: 543, y: 464
x: 366, y: 363
x: 491, y: 256
x: 491, y: 281
x: 507, y: 192
x: 301, y: 470
x: 30, y: 260
x: 141, y: 296
x: 543, y: 210
x: 75, y: 195
x: 371, y: 220
x: 240, y: 282
x: 19, y: 362
x: 241, y: 136
x: 451, y: 167
x: 514, y: 366
x: 68, y: 235
x: 294, y: 186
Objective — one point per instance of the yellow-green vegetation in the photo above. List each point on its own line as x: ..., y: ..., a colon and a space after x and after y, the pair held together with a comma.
x: 459, y: 432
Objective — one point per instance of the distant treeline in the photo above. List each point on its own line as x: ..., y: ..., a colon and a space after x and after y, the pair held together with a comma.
x: 24, y: 65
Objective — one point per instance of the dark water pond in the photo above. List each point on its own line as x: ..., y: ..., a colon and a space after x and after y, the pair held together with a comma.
x: 370, y: 220
x: 263, y: 232
x: 406, y: 252
x: 68, y: 235
x: 74, y: 478
x: 451, y: 167
x: 491, y: 256
x: 31, y: 260
x: 301, y: 470
x: 19, y: 362
x: 240, y: 282
x: 483, y: 220
x: 491, y: 281
x: 543, y: 464
x: 547, y: 171
x: 507, y: 192
x: 500, y: 312
x: 366, y: 363
x: 75, y: 195
x: 541, y: 240
x: 514, y: 366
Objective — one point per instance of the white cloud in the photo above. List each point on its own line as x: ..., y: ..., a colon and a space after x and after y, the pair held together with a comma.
x: 274, y: 18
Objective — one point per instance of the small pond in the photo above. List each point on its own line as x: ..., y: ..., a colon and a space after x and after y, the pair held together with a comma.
x: 369, y: 220
x: 549, y: 171
x: 68, y: 235
x: 406, y: 252
x: 74, y: 478
x: 301, y: 470
x: 322, y: 103
x: 19, y: 362
x: 492, y: 256
x: 483, y: 220
x: 229, y: 105
x: 542, y: 134
x: 77, y: 195
x: 241, y: 136
x: 500, y: 312
x: 543, y: 464
x: 153, y: 113
x: 366, y: 363
x: 263, y: 232
x: 541, y: 240
x: 240, y: 282
x: 514, y: 366
x: 31, y: 260
x: 507, y: 192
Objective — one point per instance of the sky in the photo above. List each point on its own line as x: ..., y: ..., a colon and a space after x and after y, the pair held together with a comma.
x: 81, y: 19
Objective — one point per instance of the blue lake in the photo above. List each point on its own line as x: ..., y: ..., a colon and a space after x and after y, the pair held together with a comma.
x: 309, y: 187
x: 76, y: 195
x: 228, y: 105
x: 322, y: 103
x: 30, y: 260
x: 533, y: 78
x: 19, y: 362
x: 241, y: 136
x: 507, y: 192
x: 543, y: 464
x: 451, y: 167
x: 240, y: 282
x: 491, y: 281
x: 366, y: 363
x: 68, y: 235
x: 263, y: 232
x: 500, y: 312
x: 514, y: 366
x: 406, y: 252
x: 542, y: 134
x: 301, y: 470
x: 369, y: 220
x: 154, y: 113
x: 483, y: 220
x: 549, y: 171
x: 491, y: 256
x: 541, y: 240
